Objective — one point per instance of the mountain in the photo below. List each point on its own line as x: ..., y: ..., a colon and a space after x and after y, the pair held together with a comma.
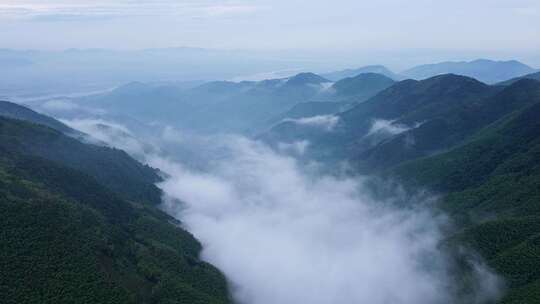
x: 246, y: 107
x: 441, y: 131
x: 69, y: 236
x: 535, y: 76
x: 362, y: 86
x: 306, y: 78
x: 405, y: 105
x: 476, y: 146
x: 490, y: 186
x: 488, y: 71
x: 113, y: 168
x: 311, y: 109
x: 377, y: 69
x: 219, y: 106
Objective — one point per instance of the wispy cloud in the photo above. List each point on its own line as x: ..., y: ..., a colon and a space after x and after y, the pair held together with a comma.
x: 327, y: 122
x: 82, y: 10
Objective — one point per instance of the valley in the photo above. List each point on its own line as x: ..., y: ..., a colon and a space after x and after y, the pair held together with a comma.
x: 348, y: 187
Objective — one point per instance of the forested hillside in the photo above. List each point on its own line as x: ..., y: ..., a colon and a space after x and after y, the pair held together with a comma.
x: 69, y: 236
x: 492, y: 186
x: 477, y: 146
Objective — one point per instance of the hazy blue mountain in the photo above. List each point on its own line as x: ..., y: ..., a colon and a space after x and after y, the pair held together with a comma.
x: 306, y: 78
x: 314, y: 108
x: 87, y: 70
x: 362, y: 87
x: 405, y: 105
x: 220, y: 106
x: 488, y: 71
x: 226, y: 106
x: 341, y: 96
x: 378, y: 69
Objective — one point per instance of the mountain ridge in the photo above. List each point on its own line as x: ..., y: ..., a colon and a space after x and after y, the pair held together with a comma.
x: 378, y: 69
x: 486, y: 70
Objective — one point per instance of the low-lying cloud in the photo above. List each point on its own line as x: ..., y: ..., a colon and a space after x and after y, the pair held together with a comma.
x: 326, y: 122
x: 296, y: 148
x: 283, y: 233
x: 387, y: 126
x: 61, y: 106
x: 111, y: 134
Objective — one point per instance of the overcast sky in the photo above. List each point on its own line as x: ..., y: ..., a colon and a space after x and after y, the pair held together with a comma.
x: 465, y: 25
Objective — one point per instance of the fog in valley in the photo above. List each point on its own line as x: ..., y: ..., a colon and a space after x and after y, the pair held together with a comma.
x: 284, y: 230
x: 270, y: 151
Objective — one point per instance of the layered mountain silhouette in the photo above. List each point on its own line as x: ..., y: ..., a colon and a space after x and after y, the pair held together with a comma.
x: 242, y: 107
x: 347, y: 73
x: 406, y: 104
x: 488, y: 71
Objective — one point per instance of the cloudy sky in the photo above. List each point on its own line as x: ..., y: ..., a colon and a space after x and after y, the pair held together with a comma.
x: 272, y: 24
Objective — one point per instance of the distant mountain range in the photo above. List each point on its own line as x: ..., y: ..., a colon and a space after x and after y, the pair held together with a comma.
x: 245, y: 107
x: 87, y: 70
x: 488, y: 71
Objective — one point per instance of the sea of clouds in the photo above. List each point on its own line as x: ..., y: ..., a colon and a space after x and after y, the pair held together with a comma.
x: 282, y: 232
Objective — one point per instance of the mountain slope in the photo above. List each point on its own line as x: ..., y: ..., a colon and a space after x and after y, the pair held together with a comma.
x: 412, y: 101
x: 341, y: 96
x: 115, y: 168
x: 484, y: 70
x: 439, y: 132
x: 405, y: 105
x: 111, y: 167
x: 491, y: 186
x: 362, y: 86
x: 68, y: 239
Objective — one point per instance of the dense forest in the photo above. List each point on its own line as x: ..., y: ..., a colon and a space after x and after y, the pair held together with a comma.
x: 81, y: 222
x: 71, y: 235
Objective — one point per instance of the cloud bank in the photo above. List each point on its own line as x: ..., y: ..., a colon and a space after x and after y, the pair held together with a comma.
x: 283, y: 233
